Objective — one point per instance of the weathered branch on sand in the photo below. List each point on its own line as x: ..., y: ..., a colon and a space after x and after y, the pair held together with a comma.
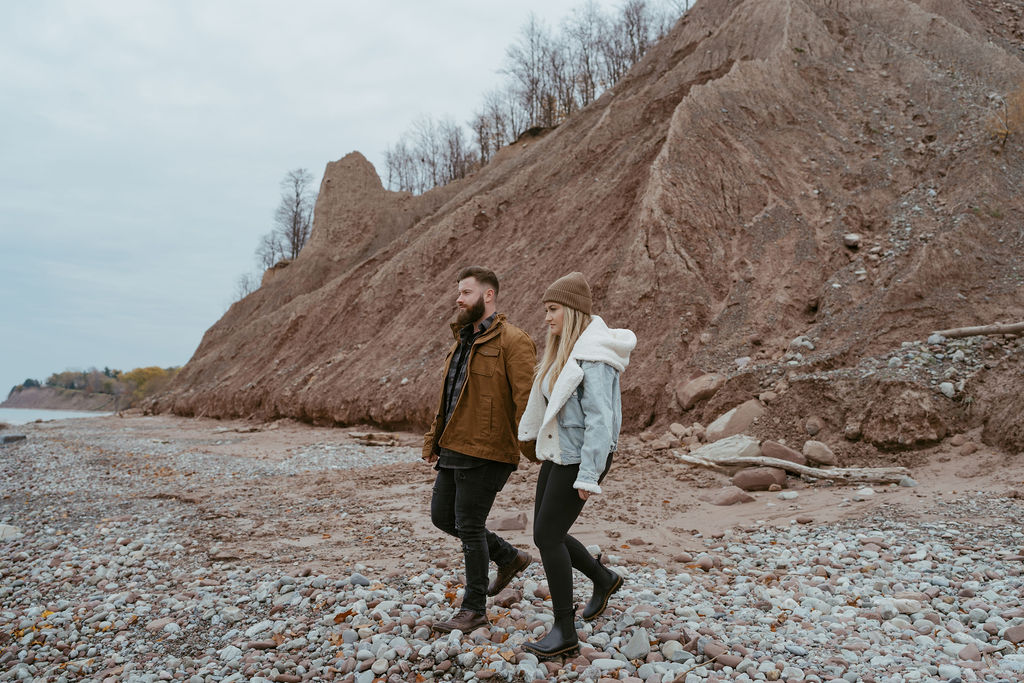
x: 998, y: 328
x: 727, y: 463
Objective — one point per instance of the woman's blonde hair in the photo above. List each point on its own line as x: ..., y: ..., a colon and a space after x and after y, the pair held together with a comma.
x: 558, y: 346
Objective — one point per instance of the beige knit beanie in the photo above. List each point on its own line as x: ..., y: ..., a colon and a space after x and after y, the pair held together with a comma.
x: 570, y: 290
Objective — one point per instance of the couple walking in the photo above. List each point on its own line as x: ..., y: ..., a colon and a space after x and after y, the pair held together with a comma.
x: 568, y: 412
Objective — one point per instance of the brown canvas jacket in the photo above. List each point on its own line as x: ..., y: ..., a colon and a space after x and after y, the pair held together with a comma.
x: 493, y: 398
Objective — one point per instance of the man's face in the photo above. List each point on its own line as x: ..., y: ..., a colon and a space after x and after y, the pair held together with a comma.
x: 470, y: 301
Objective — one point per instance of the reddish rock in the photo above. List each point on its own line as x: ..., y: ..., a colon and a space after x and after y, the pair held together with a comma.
x: 759, y: 478
x: 774, y: 449
x: 819, y: 453
x: 730, y: 496
x: 1014, y: 634
x: 508, y: 597
x: 970, y: 652
x: 735, y: 421
x: 714, y: 649
x: 730, y: 660
x: 969, y: 448
x: 157, y: 624
x: 697, y: 390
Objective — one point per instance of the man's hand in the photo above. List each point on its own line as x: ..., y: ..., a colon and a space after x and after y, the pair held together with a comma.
x: 583, y: 494
x: 430, y: 459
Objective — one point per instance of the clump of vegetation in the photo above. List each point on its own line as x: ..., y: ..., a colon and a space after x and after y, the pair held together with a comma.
x: 148, y: 382
x: 128, y: 388
x: 548, y: 75
x: 1008, y: 117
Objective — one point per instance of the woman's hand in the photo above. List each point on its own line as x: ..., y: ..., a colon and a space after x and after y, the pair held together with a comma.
x: 583, y: 494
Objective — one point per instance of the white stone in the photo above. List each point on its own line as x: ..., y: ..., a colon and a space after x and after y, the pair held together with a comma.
x: 735, y: 445
x: 609, y: 664
x: 639, y: 646
x: 230, y: 654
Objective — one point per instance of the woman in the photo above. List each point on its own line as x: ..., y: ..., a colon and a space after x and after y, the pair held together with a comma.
x: 574, y: 414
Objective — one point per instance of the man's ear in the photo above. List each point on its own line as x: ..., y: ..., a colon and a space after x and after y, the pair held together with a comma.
x: 488, y: 295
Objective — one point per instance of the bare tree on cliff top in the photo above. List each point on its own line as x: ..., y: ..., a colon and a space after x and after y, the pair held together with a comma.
x: 293, y: 219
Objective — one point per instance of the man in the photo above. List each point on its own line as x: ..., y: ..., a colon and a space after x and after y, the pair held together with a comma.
x: 472, y: 441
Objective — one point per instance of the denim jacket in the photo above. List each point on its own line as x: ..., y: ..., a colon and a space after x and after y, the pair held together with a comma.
x: 580, y: 422
x: 589, y: 423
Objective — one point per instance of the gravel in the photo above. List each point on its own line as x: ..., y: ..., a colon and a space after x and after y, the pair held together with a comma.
x: 98, y: 584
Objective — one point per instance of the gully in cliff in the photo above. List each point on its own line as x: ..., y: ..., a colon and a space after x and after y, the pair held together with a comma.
x: 472, y: 442
x: 573, y: 416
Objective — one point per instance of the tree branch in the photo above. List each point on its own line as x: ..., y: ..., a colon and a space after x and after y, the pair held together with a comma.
x: 998, y: 328
x: 882, y: 475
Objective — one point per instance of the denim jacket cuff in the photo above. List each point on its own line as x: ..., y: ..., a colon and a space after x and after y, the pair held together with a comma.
x: 587, y: 486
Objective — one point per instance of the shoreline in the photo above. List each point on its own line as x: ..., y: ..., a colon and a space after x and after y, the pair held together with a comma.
x: 169, y: 543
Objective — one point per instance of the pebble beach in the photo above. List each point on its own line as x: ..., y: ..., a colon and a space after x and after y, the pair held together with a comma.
x: 106, y: 574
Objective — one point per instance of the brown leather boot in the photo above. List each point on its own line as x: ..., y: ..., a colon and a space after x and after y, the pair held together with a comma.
x: 465, y: 620
x: 507, y: 572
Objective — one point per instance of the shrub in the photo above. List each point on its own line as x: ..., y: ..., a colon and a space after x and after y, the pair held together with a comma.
x: 1008, y: 117
x: 148, y: 381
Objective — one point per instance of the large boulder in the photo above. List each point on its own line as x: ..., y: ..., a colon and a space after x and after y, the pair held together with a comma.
x: 735, y: 421
x: 819, y: 453
x: 699, y: 389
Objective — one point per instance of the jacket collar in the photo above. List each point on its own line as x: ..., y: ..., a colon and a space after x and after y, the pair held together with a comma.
x: 499, y: 318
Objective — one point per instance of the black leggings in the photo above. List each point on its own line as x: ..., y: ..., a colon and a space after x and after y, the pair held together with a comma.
x: 555, y: 510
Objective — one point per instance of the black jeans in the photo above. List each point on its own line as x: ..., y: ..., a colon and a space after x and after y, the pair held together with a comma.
x: 557, y: 506
x: 459, y: 507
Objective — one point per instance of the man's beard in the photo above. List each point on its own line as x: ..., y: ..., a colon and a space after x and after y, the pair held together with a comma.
x: 468, y: 316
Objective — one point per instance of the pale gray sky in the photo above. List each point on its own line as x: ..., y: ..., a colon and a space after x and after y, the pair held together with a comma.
x: 142, y: 143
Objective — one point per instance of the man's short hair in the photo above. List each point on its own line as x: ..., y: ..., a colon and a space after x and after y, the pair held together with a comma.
x: 484, y: 276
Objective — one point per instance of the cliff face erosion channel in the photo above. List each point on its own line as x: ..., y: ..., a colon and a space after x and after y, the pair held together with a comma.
x: 793, y: 194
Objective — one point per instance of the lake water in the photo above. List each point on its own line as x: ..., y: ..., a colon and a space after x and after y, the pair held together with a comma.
x: 20, y: 416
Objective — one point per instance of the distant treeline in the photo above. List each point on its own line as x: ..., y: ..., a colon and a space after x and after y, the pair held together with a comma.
x: 548, y: 75
x: 135, y: 385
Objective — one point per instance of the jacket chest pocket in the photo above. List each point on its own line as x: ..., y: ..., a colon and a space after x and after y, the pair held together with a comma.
x: 485, y: 360
x: 571, y: 414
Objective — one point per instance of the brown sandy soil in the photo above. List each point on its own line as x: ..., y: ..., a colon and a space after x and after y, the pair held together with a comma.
x: 651, y: 511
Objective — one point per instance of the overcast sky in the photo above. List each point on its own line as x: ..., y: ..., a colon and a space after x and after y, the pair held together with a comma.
x: 142, y: 145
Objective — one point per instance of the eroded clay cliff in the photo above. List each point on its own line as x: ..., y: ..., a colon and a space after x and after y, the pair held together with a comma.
x: 707, y: 197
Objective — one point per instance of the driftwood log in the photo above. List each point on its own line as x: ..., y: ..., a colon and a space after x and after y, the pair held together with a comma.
x: 998, y: 328
x: 727, y: 463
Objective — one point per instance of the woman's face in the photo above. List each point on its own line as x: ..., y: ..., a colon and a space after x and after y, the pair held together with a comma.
x: 553, y: 316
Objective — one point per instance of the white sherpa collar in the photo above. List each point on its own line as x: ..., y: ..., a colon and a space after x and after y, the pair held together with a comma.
x: 597, y: 343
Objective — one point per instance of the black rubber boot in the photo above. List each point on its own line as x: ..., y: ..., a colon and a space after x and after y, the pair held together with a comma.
x: 561, y: 640
x: 603, y: 590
